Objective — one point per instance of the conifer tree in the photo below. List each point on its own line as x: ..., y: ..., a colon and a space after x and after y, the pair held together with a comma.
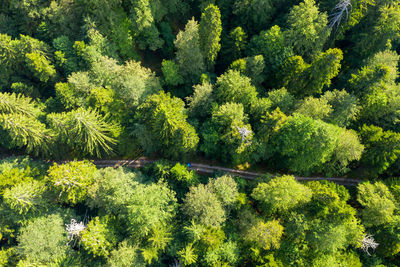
x: 210, y: 29
x: 188, y: 54
x: 307, y: 29
x: 84, y: 131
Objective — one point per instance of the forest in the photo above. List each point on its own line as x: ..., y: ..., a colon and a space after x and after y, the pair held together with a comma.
x: 284, y: 87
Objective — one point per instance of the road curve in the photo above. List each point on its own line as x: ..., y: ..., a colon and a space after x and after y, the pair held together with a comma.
x: 209, y: 169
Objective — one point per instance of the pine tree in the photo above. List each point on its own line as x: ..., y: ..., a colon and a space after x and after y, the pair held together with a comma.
x: 210, y: 29
x: 307, y: 29
x: 188, y: 54
x: 84, y: 131
x: 17, y: 131
x: 163, y: 127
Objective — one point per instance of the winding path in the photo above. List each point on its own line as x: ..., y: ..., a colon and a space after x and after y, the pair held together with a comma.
x: 208, y: 169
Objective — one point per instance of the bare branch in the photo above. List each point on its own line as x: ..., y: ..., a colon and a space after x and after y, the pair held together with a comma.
x: 341, y: 10
x: 368, y: 242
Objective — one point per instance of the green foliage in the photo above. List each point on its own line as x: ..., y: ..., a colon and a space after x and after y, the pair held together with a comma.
x: 221, y: 136
x: 71, y: 180
x: 251, y: 67
x: 378, y: 203
x: 76, y: 82
x: 254, y: 14
x: 281, y: 99
x: 143, y: 24
x: 281, y: 194
x: 18, y: 104
x: 85, y: 131
x: 305, y: 143
x: 232, y: 86
x: 316, y: 108
x: 188, y: 55
x: 124, y: 256
x: 209, y: 32
x: 25, y: 197
x: 348, y: 149
x: 202, y: 206
x: 201, y: 102
x: 43, y: 240
x: 304, y: 79
x: 307, y: 29
x: 97, y: 239
x: 344, y: 107
x: 226, y: 254
x: 163, y: 123
x: 388, y: 237
x: 271, y: 45
x: 171, y: 73
x: 234, y: 45
x: 266, y: 235
x: 40, y: 66
x: 111, y: 189
x: 385, y: 29
x: 19, y: 131
x: 188, y: 255
x: 150, y: 206
x: 226, y: 189
x: 381, y: 148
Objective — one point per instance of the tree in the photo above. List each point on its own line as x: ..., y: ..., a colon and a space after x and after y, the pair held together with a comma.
x: 304, y: 79
x: 203, y: 207
x: 43, y: 240
x: 225, y: 188
x: 316, y: 108
x: 131, y: 82
x: 252, y: 67
x: 17, y: 131
x: 271, y: 45
x: 226, y: 135
x: 25, y: 199
x: 232, y: 86
x: 188, y: 55
x: 188, y: 255
x: 385, y: 28
x: 255, y: 14
x: 171, y: 73
x: 234, y: 45
x: 282, y: 99
x: 388, y: 236
x: 112, y: 189
x: 348, y: 149
x: 227, y: 253
x: 307, y: 29
x: 84, y: 131
x: 11, y: 103
x: 381, y: 148
x: 71, y: 180
x: 210, y: 29
x: 162, y: 120
x: 201, y: 102
x: 150, y: 207
x: 143, y: 24
x: 305, y: 143
x: 344, y: 107
x: 378, y: 203
x: 97, y: 239
x: 281, y: 194
x: 266, y: 235
x: 40, y: 66
x: 125, y: 256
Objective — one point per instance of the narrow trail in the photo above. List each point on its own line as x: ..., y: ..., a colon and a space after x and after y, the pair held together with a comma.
x: 209, y: 169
